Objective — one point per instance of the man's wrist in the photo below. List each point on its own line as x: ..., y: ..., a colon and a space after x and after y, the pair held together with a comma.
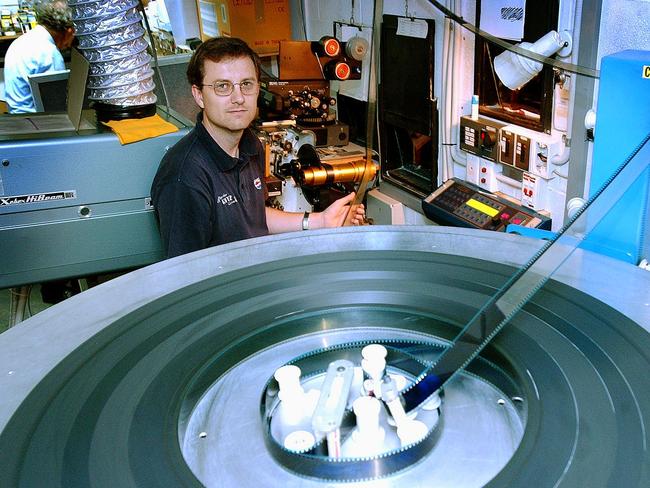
x: 305, y: 221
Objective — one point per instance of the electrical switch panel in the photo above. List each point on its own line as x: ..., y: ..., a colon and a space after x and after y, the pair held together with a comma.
x: 522, y: 152
x: 480, y: 137
x: 487, y: 174
x: 516, y: 161
x: 472, y: 167
x: 507, y: 147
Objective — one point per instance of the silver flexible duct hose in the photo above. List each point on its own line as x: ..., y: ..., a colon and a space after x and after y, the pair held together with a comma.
x: 111, y: 37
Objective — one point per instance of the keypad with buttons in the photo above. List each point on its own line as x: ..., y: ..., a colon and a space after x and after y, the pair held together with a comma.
x: 477, y: 208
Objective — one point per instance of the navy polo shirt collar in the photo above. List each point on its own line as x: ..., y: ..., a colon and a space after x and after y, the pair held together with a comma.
x: 222, y: 160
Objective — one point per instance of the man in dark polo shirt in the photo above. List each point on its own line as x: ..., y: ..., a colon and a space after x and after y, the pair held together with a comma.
x: 209, y: 188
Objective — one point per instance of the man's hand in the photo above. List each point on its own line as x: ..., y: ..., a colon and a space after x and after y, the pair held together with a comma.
x: 334, y: 215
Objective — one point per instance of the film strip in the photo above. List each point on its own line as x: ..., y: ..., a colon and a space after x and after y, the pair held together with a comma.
x: 369, y: 171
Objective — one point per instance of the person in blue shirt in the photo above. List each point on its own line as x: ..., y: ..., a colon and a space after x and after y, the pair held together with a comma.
x: 37, y: 51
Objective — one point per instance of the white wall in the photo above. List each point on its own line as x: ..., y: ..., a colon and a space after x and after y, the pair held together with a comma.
x: 184, y: 19
x: 624, y: 24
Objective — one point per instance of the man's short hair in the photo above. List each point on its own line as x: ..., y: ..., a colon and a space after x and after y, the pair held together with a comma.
x: 217, y: 49
x: 54, y: 14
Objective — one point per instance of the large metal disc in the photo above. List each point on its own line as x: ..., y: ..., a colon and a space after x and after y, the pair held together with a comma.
x: 99, y: 390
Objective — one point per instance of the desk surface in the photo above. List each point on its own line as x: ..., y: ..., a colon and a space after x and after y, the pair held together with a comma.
x: 39, y: 126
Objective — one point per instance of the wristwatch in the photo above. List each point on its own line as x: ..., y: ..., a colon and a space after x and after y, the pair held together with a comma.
x: 305, y: 221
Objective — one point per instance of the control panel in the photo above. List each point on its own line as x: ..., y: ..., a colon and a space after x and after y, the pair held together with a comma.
x: 480, y: 136
x: 463, y: 204
x: 516, y: 162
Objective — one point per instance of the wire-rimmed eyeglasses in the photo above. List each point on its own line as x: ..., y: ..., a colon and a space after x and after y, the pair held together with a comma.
x: 225, y: 87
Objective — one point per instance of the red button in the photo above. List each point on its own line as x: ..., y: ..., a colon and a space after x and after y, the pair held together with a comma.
x: 342, y: 71
x: 332, y: 47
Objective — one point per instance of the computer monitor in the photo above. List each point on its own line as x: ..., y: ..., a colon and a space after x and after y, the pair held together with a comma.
x: 50, y: 90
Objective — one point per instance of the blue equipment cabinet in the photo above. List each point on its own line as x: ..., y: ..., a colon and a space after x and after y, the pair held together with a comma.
x: 76, y: 204
x: 622, y: 123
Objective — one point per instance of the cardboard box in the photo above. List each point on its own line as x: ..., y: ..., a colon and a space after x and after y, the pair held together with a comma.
x: 214, y: 18
x: 297, y: 62
x: 261, y: 23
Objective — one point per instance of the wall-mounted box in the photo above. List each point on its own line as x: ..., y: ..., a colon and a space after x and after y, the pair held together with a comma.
x: 480, y: 137
x: 522, y: 152
x: 297, y: 62
x: 507, y: 147
x: 536, y: 152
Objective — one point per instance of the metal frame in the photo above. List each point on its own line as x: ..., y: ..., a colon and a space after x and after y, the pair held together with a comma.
x: 37, y: 80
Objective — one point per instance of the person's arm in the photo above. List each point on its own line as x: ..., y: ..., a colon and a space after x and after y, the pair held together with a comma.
x: 333, y: 216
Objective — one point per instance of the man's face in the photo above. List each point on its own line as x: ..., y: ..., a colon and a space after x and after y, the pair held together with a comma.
x: 230, y: 113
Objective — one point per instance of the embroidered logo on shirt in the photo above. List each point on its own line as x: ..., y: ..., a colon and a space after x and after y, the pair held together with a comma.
x: 258, y: 183
x: 227, y: 199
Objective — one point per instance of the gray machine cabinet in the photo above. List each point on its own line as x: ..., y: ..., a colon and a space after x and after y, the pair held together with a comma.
x: 76, y: 204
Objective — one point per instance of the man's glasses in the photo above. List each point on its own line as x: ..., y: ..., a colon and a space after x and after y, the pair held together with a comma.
x: 225, y: 88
